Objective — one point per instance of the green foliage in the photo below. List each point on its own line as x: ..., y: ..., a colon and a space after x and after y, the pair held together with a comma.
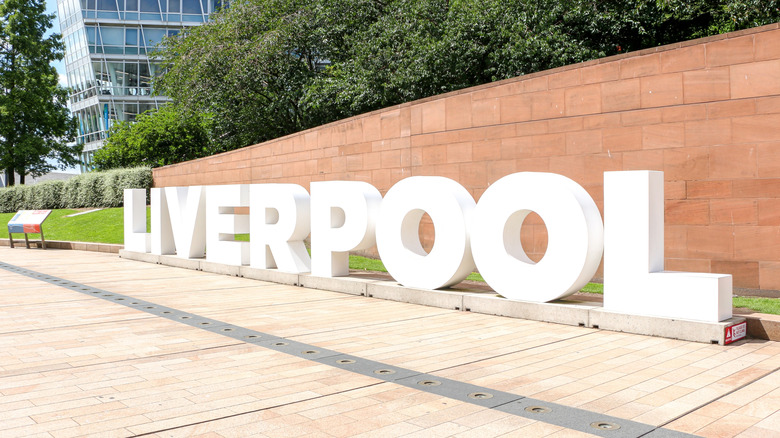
x: 156, y: 138
x: 267, y: 68
x: 94, y: 189
x: 43, y: 196
x: 249, y: 67
x: 12, y: 198
x: 35, y: 124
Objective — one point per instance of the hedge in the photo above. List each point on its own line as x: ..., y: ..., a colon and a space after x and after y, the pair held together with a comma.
x: 93, y: 189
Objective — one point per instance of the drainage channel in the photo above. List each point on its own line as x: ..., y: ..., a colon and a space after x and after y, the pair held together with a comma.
x: 539, y: 410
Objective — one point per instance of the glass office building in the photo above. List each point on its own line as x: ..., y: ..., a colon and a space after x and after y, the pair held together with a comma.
x: 107, y: 43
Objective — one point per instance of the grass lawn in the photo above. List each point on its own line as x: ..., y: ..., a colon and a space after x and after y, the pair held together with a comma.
x: 761, y: 305
x: 105, y: 226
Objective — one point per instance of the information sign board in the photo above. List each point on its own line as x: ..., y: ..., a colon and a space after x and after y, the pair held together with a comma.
x: 28, y: 221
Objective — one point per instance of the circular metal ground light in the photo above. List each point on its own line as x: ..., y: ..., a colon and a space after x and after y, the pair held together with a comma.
x: 280, y: 344
x: 228, y: 329
x: 251, y: 336
x: 480, y: 395
x: 538, y: 409
x: 429, y: 383
x: 384, y: 371
x: 605, y: 425
x: 309, y: 352
x: 345, y: 361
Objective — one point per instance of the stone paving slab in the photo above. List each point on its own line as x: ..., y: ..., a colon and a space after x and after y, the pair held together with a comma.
x: 72, y: 364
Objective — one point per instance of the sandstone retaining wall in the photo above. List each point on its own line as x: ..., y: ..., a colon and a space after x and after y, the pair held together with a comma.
x: 706, y: 112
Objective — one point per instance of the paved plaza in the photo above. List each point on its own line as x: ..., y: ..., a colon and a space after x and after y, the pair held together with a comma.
x: 93, y: 344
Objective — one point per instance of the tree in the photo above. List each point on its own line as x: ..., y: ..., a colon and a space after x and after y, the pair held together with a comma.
x: 268, y: 68
x: 35, y: 123
x: 156, y: 138
x: 251, y: 65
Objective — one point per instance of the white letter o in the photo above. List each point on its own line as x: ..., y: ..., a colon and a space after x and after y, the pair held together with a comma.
x: 450, y: 207
x: 574, y: 228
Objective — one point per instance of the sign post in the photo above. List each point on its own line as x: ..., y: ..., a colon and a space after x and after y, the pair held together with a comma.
x: 27, y: 221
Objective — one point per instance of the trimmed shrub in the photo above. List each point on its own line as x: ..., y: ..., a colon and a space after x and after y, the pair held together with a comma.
x: 112, y: 193
x: 44, y: 196
x: 11, y: 199
x: 94, y: 189
x: 90, y: 191
x: 134, y: 178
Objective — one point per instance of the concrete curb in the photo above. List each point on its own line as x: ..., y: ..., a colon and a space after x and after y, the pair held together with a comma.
x: 62, y: 244
x: 569, y: 312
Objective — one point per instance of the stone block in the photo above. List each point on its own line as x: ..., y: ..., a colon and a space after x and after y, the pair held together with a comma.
x: 769, y: 275
x: 745, y: 274
x: 663, y: 136
x: 139, y: 256
x: 708, y: 189
x: 661, y: 90
x: 733, y: 162
x: 547, y: 104
x: 272, y: 275
x: 706, y: 85
x: 687, y: 212
x: 181, y: 262
x: 390, y: 290
x: 585, y: 99
x: 682, y: 59
x: 734, y: 211
x: 707, y: 332
x: 729, y: 51
x: 219, y: 268
x: 686, y: 163
x: 560, y: 312
x: 348, y: 285
x: 638, y: 66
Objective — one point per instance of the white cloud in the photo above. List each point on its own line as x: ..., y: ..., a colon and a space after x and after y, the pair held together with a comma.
x: 63, y: 80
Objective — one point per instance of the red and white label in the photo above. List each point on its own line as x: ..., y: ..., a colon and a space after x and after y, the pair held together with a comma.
x: 735, y: 332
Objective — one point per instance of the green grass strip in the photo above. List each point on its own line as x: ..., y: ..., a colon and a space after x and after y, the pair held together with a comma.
x: 760, y: 305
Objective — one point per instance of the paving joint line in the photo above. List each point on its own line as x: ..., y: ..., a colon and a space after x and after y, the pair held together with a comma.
x: 513, y: 352
x: 366, y: 325
x: 127, y: 361
x: 86, y: 324
x: 224, y: 417
x: 539, y: 410
x: 690, y: 377
x: 75, y: 300
x: 719, y: 397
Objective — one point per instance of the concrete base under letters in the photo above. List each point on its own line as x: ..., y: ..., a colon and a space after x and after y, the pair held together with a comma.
x: 569, y: 312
